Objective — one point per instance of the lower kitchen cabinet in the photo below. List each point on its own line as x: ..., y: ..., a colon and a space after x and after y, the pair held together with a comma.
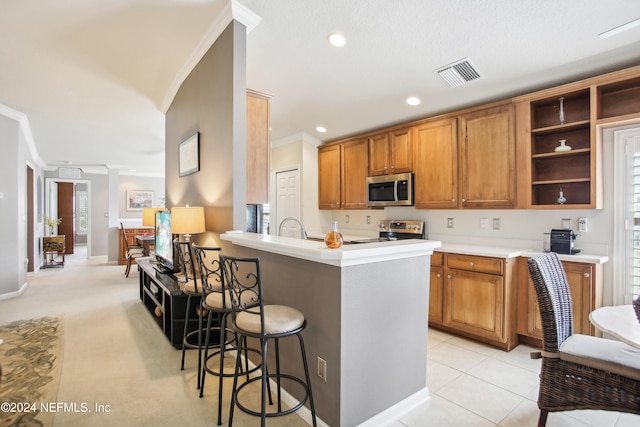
x: 477, y: 298
x: 585, y: 285
x: 436, y: 285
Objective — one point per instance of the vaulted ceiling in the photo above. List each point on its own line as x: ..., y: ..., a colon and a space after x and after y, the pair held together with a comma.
x: 94, y: 77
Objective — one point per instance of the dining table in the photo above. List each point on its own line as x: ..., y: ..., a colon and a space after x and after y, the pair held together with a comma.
x: 146, y: 241
x: 619, y: 321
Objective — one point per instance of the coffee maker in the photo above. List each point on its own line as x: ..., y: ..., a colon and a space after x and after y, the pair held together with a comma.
x: 562, y: 241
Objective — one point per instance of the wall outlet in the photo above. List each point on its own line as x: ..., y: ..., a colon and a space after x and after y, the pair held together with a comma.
x: 583, y: 225
x: 322, y: 368
x: 347, y: 219
x: 565, y: 223
x: 496, y: 223
x: 368, y: 219
x: 449, y: 222
x: 484, y: 223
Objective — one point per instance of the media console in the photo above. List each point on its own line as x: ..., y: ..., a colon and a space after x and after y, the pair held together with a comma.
x: 162, y: 296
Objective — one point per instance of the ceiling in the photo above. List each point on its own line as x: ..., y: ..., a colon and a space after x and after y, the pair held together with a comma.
x: 94, y: 77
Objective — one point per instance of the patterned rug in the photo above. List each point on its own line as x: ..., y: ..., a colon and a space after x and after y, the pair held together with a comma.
x: 31, y: 359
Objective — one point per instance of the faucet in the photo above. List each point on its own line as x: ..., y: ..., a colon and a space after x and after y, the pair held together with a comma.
x: 303, y: 232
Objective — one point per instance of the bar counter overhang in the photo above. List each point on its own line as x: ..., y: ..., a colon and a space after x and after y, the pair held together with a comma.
x: 367, y: 312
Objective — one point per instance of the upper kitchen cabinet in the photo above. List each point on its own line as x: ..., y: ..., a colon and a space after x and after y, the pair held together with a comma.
x: 559, y: 140
x: 487, y: 158
x: 343, y: 169
x: 436, y: 164
x: 329, y: 176
x: 390, y: 152
x: 258, y: 110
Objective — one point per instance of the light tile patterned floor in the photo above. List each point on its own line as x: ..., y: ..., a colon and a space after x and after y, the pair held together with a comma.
x: 472, y: 384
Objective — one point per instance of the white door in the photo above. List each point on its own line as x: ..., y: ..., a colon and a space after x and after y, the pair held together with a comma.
x: 288, y: 202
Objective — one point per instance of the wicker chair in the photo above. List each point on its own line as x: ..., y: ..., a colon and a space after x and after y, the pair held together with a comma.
x: 578, y: 371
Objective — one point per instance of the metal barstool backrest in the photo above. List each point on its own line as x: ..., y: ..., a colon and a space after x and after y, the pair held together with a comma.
x: 242, y: 279
x: 187, y: 266
x: 209, y: 268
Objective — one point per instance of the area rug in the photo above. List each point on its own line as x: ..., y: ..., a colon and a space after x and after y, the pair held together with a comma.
x: 31, y: 359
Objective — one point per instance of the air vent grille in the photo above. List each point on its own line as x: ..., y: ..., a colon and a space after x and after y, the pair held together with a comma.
x: 69, y: 173
x: 458, y: 73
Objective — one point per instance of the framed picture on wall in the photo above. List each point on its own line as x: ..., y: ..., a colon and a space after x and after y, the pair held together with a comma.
x: 137, y: 200
x: 189, y: 155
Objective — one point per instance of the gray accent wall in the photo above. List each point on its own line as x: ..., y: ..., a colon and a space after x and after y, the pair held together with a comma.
x: 211, y: 101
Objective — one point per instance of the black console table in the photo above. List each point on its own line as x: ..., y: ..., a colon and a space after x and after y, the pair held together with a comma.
x: 166, y: 302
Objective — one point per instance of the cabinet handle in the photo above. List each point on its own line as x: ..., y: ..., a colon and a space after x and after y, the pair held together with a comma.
x: 471, y: 263
x: 463, y: 200
x: 438, y: 275
x: 453, y: 200
x: 448, y: 276
x: 587, y: 275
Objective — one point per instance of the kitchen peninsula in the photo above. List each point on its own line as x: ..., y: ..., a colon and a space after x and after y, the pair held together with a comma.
x: 367, y: 311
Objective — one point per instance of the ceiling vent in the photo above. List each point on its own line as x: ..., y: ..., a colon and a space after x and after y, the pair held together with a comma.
x: 458, y: 73
x: 69, y: 173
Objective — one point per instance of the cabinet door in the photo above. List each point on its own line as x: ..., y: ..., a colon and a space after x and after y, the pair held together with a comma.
x: 436, y: 164
x: 487, y: 158
x: 329, y: 177
x: 257, y: 148
x: 436, y: 285
x: 379, y: 154
x: 354, y: 174
x: 401, y: 150
x: 473, y: 303
x: 579, y: 277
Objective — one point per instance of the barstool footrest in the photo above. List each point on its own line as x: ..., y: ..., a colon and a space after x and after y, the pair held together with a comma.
x: 284, y: 412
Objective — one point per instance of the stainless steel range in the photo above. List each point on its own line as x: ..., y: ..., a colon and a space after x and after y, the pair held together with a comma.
x: 393, y: 229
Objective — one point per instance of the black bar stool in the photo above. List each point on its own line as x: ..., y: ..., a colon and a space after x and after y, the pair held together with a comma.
x: 252, y: 318
x: 216, y: 300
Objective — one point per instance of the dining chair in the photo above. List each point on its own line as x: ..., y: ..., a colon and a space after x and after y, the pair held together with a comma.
x: 578, y: 371
x: 131, y: 251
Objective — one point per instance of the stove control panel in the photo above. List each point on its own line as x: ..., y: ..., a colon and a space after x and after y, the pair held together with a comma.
x: 401, y: 226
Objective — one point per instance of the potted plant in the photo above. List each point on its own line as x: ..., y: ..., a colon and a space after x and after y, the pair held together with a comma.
x: 50, y: 223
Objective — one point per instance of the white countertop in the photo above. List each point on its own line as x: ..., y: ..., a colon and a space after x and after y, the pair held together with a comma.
x: 311, y: 250
x: 492, y: 251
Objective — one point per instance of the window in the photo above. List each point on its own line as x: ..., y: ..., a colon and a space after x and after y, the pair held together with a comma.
x: 82, y: 211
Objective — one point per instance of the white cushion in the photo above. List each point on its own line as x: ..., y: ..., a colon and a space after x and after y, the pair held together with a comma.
x: 190, y: 287
x: 277, y: 319
x: 213, y: 301
x: 599, y: 353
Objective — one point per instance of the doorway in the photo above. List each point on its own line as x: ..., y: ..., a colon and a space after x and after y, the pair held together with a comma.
x: 69, y: 199
x: 287, y: 202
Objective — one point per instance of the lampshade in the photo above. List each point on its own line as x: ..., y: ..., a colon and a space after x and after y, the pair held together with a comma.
x: 149, y: 216
x: 187, y: 220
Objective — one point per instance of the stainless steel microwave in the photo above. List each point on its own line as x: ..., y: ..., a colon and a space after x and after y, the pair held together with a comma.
x: 390, y: 190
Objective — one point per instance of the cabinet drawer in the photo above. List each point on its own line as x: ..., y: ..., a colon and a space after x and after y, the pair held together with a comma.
x: 437, y: 258
x: 475, y: 263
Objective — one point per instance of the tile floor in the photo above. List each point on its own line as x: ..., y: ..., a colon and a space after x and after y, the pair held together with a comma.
x: 472, y: 384
x: 112, y: 356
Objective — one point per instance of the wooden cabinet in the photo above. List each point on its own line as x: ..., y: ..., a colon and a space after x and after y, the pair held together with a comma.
x: 436, y: 287
x: 390, y: 152
x: 436, y: 164
x: 573, y: 113
x: 585, y: 286
x: 466, y: 161
x: 354, y: 169
x: 342, y: 172
x: 258, y: 147
x: 131, y: 240
x: 329, y: 176
x: 487, y: 158
x: 478, y: 299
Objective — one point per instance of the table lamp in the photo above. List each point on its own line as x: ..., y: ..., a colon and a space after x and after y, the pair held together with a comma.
x: 187, y: 220
x: 149, y: 216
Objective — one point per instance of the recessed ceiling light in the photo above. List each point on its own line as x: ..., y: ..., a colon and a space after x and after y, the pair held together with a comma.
x: 337, y: 39
x: 412, y: 100
x: 321, y: 129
